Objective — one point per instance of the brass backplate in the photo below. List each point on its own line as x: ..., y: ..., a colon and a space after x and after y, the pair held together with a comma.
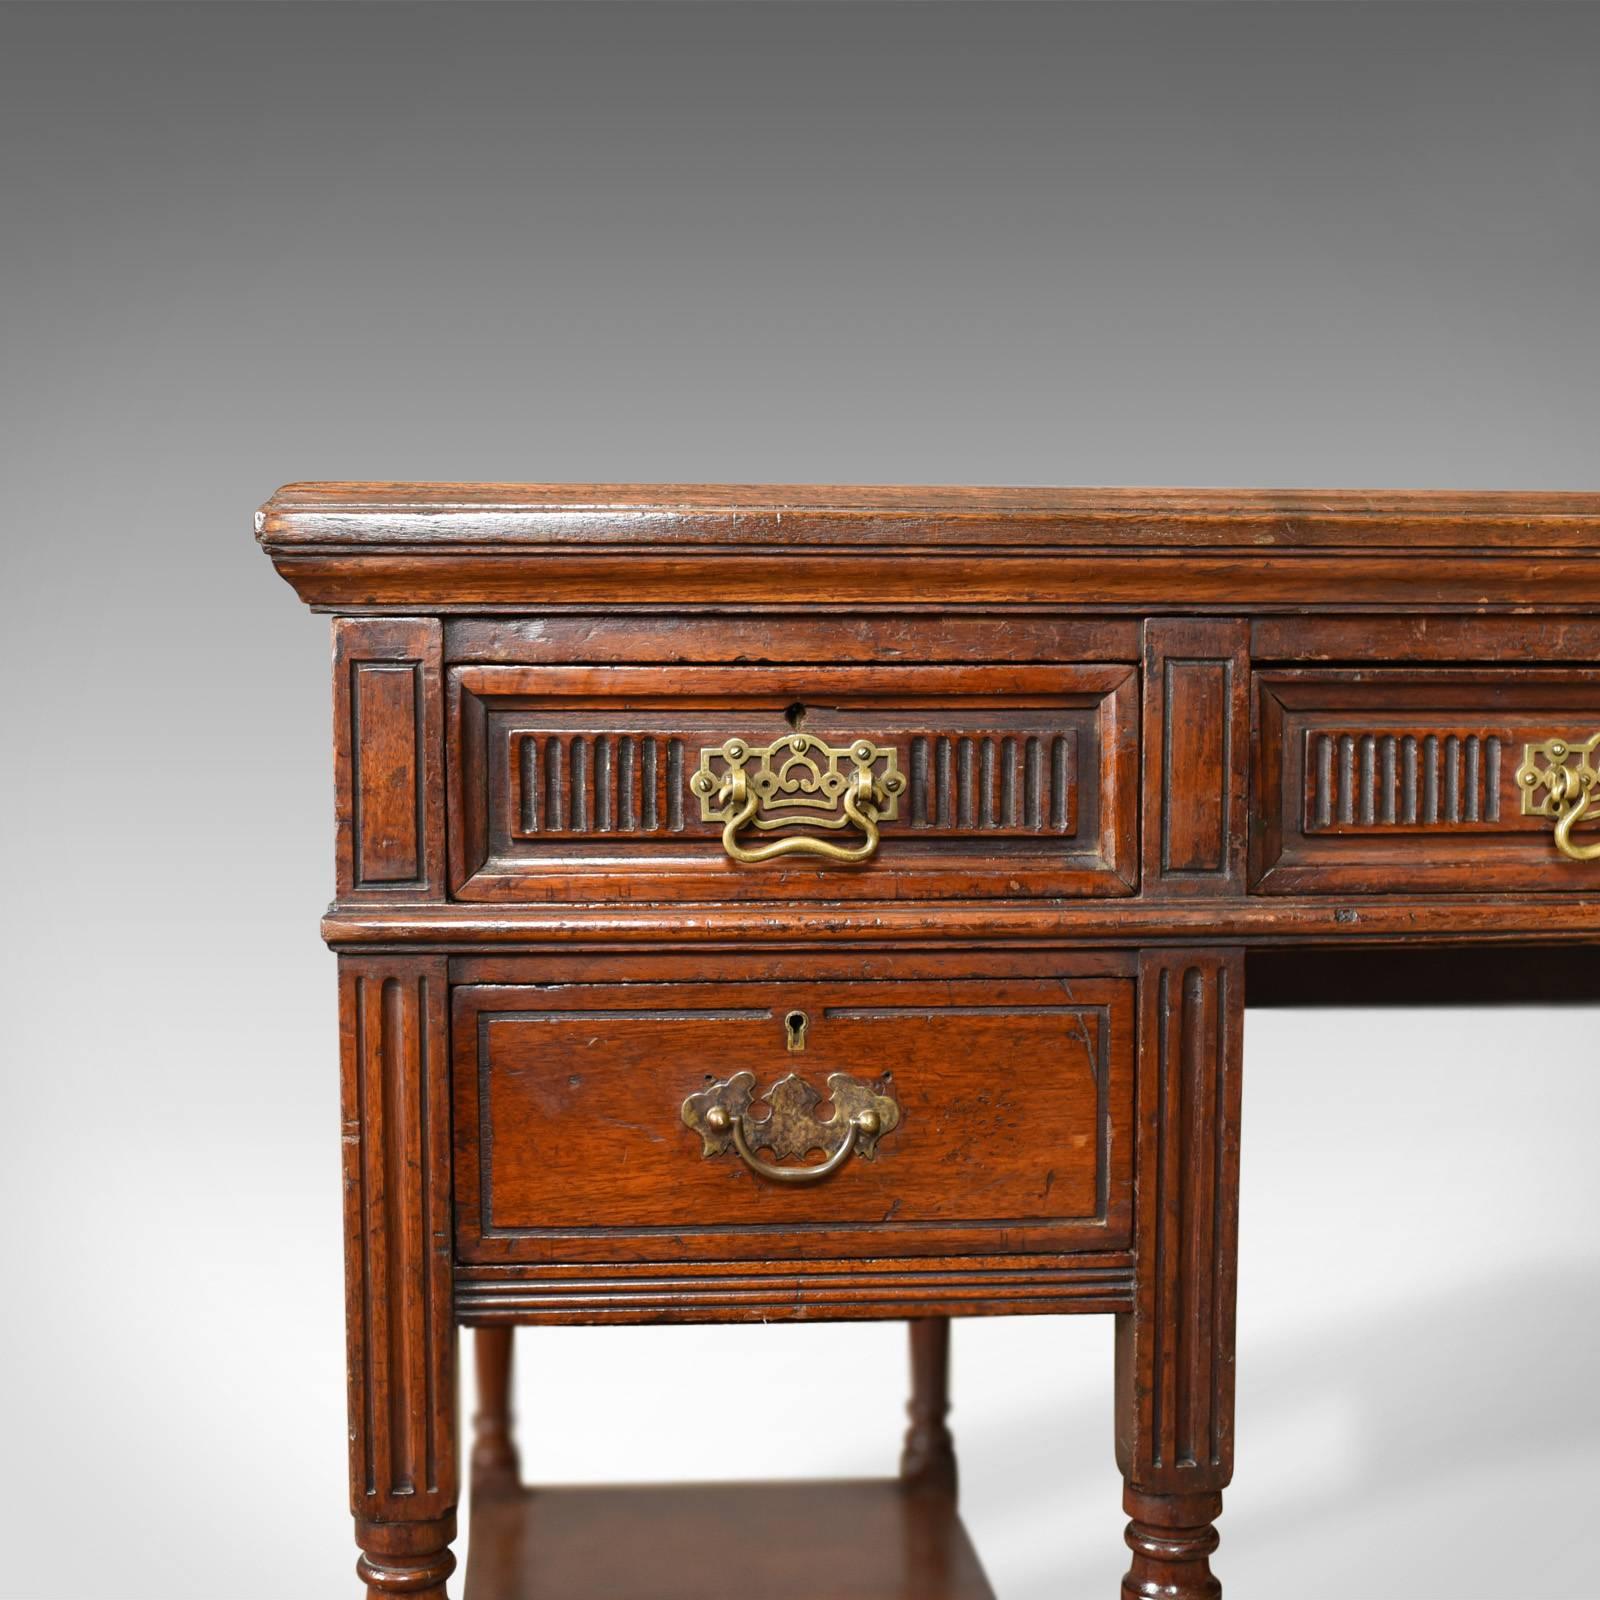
x: 1556, y: 773
x: 798, y: 779
x: 792, y: 1129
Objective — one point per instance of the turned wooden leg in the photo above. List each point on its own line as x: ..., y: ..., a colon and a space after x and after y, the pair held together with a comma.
x: 495, y: 1468
x: 406, y: 1558
x: 399, y: 1320
x: 929, y: 1458
x: 1171, y: 1538
x: 1175, y: 1349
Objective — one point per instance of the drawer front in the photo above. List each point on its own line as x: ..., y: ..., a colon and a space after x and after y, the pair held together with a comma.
x: 1372, y: 781
x: 614, y: 783
x: 1003, y: 1119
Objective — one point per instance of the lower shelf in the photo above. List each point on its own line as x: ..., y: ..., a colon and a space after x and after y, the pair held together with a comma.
x: 868, y: 1540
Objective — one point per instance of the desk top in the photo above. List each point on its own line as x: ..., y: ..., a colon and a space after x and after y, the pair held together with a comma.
x: 501, y: 547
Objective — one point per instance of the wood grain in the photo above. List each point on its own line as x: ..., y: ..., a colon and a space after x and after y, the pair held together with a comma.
x: 500, y: 547
x: 1015, y: 1099
x: 572, y: 783
x: 1196, y: 756
x: 789, y: 1290
x: 1471, y: 580
x: 324, y: 514
x: 1175, y: 1350
x: 871, y: 1540
x: 1521, y: 640
x: 840, y: 638
x: 1305, y: 920
x: 388, y: 750
x: 399, y: 1323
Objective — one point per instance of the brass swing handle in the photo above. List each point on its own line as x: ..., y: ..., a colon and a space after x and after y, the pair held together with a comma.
x: 864, y: 1122
x: 1578, y: 806
x: 798, y: 780
x: 721, y: 1116
x: 1551, y: 787
x: 859, y: 806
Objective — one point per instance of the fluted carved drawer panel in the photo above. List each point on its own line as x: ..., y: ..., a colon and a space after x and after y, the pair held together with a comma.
x: 1001, y: 1119
x: 1000, y: 782
x: 1361, y: 778
x: 572, y: 784
x: 1393, y: 779
x: 578, y: 783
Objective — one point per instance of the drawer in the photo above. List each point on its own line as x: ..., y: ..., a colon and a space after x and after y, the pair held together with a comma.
x: 1375, y: 780
x: 976, y: 1116
x: 611, y: 783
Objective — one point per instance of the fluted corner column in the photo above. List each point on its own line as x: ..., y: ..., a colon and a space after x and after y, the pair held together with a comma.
x: 1175, y: 1350
x: 399, y: 1321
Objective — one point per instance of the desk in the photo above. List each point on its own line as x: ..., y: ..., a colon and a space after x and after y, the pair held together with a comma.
x: 816, y: 903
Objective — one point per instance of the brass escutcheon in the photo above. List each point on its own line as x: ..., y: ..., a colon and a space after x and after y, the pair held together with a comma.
x: 720, y: 1114
x: 798, y: 780
x: 1561, y: 779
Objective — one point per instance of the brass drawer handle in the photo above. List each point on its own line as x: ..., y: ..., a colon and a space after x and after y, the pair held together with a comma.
x: 1552, y: 788
x: 794, y: 780
x: 721, y: 1116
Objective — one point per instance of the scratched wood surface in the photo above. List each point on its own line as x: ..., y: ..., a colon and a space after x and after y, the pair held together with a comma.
x: 508, y: 547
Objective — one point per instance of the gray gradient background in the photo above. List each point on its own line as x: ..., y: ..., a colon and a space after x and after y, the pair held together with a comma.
x: 1210, y: 244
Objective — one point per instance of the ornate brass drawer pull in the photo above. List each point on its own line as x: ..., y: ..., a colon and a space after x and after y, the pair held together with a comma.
x: 1569, y: 793
x: 721, y: 1116
x: 798, y: 780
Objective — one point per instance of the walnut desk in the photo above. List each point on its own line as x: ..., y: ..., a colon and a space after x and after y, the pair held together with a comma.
x: 809, y: 903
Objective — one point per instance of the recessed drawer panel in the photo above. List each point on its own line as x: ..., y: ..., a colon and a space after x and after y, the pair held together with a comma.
x: 1370, y: 781
x: 606, y: 783
x: 784, y: 1119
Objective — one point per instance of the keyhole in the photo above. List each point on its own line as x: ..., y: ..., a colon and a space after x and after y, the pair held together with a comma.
x: 795, y: 1026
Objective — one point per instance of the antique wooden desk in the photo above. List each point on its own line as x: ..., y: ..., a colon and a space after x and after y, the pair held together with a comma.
x: 809, y: 903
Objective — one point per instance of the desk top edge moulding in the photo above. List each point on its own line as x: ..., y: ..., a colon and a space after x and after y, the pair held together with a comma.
x: 795, y: 903
x: 495, y: 547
